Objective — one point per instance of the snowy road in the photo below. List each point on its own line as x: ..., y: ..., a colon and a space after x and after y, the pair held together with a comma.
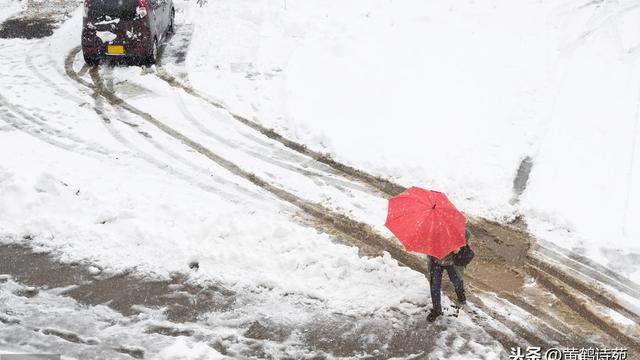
x: 103, y: 132
x: 155, y: 129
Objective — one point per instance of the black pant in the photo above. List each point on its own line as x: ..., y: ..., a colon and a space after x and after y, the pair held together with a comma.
x: 435, y: 283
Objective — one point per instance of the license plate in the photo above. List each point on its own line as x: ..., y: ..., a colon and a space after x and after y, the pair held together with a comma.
x: 115, y: 49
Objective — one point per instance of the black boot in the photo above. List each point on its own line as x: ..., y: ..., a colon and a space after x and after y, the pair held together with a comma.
x: 462, y: 299
x: 433, y: 315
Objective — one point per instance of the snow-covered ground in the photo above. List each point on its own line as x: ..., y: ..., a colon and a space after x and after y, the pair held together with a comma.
x: 10, y: 7
x: 446, y: 95
x: 88, y: 183
x: 585, y: 183
x: 452, y: 96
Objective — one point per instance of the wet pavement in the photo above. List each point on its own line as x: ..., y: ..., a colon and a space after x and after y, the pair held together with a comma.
x: 38, y: 19
x: 124, y: 293
x: 402, y: 332
x: 27, y: 28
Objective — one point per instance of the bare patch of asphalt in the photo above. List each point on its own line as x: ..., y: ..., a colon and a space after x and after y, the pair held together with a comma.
x: 27, y: 28
x: 181, y: 301
x: 38, y: 20
x: 503, y: 262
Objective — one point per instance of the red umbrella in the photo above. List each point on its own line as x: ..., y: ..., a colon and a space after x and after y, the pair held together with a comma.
x: 426, y: 221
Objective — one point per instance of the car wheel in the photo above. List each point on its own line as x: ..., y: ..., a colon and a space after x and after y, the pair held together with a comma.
x: 91, y: 60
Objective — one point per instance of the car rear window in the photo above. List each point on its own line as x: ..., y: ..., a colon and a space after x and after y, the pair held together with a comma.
x: 123, y: 9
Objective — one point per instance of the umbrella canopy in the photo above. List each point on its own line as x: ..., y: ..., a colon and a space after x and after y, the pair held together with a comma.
x: 426, y: 221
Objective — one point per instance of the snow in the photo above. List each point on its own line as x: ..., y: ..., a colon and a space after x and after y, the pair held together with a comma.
x: 347, y: 70
x: 101, y: 328
x: 106, y: 36
x: 584, y: 180
x: 404, y: 101
x: 448, y: 96
x: 102, y: 188
x: 118, y: 225
x: 108, y: 21
x: 619, y: 318
x: 9, y: 7
x: 452, y: 97
x: 118, y: 218
x: 181, y: 349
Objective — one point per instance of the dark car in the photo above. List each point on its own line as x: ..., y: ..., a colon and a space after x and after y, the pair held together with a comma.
x: 125, y: 28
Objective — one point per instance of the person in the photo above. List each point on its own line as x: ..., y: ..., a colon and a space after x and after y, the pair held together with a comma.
x: 436, y: 268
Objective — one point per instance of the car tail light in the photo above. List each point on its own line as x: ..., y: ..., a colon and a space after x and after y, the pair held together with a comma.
x: 142, y: 9
x: 86, y: 8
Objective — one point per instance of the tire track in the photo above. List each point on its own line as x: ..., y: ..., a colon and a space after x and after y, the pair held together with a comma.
x: 557, y: 286
x: 39, y: 125
x: 562, y: 334
x: 529, y: 336
x: 270, y: 155
x: 287, y: 160
x: 28, y: 61
x: 377, y: 184
x: 545, y: 258
x: 106, y: 122
x: 95, y: 76
x: 577, y: 304
x: 176, y: 48
x: 29, y: 129
x: 137, y: 152
x: 589, y: 269
x: 595, y: 294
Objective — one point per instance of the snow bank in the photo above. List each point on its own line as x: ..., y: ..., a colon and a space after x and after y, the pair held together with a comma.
x: 585, y: 178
